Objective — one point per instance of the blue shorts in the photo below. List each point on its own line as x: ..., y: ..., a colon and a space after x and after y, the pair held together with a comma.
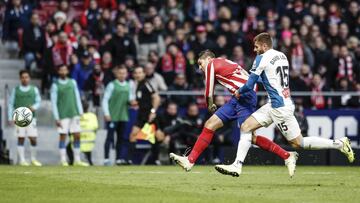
x: 238, y: 110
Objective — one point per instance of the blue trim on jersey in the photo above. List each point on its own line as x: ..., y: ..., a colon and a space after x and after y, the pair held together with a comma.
x: 257, y: 60
x: 276, y: 100
x: 250, y: 83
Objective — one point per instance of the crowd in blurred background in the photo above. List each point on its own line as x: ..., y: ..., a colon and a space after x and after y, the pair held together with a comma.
x: 319, y: 37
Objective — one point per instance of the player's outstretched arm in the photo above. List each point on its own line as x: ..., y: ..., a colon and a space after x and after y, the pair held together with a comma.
x: 249, y: 85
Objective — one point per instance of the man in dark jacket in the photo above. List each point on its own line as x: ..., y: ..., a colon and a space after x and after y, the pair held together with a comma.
x: 33, y: 42
x: 121, y: 45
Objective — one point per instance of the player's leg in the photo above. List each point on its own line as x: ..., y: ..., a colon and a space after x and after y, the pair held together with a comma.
x: 21, y: 151
x: 120, y: 130
x: 289, y: 127
x: 33, y: 146
x: 314, y: 143
x: 33, y: 133
x: 75, y: 129
x: 202, y: 142
x: 108, y: 141
x: 63, y: 130
x: 132, y: 142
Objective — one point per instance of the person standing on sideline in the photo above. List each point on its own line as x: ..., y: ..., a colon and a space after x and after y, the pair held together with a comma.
x: 25, y: 95
x: 115, y: 105
x: 67, y: 109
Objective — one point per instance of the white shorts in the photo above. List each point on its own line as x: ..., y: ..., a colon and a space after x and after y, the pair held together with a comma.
x: 28, y: 131
x: 283, y: 118
x: 69, y: 125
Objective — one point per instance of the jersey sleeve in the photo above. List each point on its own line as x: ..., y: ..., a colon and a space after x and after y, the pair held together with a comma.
x: 105, y: 101
x: 37, y: 99
x: 258, y: 65
x: 54, y: 98
x: 11, y: 104
x: 210, y: 81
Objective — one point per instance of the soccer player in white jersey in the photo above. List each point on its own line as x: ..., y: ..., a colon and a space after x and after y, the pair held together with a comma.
x: 273, y: 68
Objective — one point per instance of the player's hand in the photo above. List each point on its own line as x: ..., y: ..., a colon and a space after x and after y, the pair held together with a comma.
x: 107, y: 118
x: 212, y: 108
x: 237, y: 94
x: 31, y: 108
x: 58, y: 124
x: 152, y: 117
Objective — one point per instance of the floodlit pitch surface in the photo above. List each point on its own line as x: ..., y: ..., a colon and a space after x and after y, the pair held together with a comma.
x: 171, y: 184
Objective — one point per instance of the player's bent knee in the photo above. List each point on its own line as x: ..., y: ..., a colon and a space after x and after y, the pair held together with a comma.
x: 213, y: 123
x: 245, y: 127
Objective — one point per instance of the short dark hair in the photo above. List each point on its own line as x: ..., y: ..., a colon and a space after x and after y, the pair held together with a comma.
x: 264, y: 38
x: 22, y: 72
x: 60, y: 66
x: 206, y: 53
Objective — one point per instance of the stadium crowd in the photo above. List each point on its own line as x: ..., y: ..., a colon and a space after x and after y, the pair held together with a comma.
x: 93, y: 38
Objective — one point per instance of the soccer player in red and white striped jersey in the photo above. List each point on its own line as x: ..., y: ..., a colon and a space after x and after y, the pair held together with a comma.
x: 232, y: 76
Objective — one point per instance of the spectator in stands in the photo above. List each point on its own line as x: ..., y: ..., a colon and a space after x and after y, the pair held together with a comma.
x: 110, y: 4
x: 167, y: 122
x: 181, y: 40
x: 222, y: 46
x: 321, y: 56
x: 345, y: 100
x: 172, y: 10
x: 148, y: 40
x: 188, y: 134
x: 107, y: 68
x: 115, y: 105
x: 82, y: 70
x: 90, y: 18
x: 83, y: 45
x: 180, y: 84
x: 239, y: 57
x: 121, y: 45
x: 351, y: 17
x: 34, y: 43
x: 235, y: 37
x: 346, y: 66
x: 61, y: 22
x: 333, y: 35
x: 172, y: 63
x: 203, y: 10
x: 300, y: 54
x: 69, y: 11
x: 95, y: 85
x: 201, y: 42
x: 17, y: 17
x: 318, y: 100
x: 104, y: 26
x: 62, y: 50
x: 156, y: 80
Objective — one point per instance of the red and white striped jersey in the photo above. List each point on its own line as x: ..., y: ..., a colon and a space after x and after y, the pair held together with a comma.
x: 227, y: 73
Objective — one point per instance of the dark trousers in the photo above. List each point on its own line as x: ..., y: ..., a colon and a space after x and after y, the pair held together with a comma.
x: 121, y: 141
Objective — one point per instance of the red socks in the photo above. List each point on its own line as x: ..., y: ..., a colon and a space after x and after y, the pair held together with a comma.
x: 201, y: 144
x: 270, y: 146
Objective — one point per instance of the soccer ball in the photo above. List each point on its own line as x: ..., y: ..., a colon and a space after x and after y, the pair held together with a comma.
x: 22, y: 116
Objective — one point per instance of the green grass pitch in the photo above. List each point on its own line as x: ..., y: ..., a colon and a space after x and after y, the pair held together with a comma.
x: 170, y: 184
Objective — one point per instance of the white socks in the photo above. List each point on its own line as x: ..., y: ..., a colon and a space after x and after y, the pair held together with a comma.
x: 243, y: 148
x: 62, y: 154
x: 21, y: 153
x: 76, y: 154
x: 320, y: 143
x: 33, y: 152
